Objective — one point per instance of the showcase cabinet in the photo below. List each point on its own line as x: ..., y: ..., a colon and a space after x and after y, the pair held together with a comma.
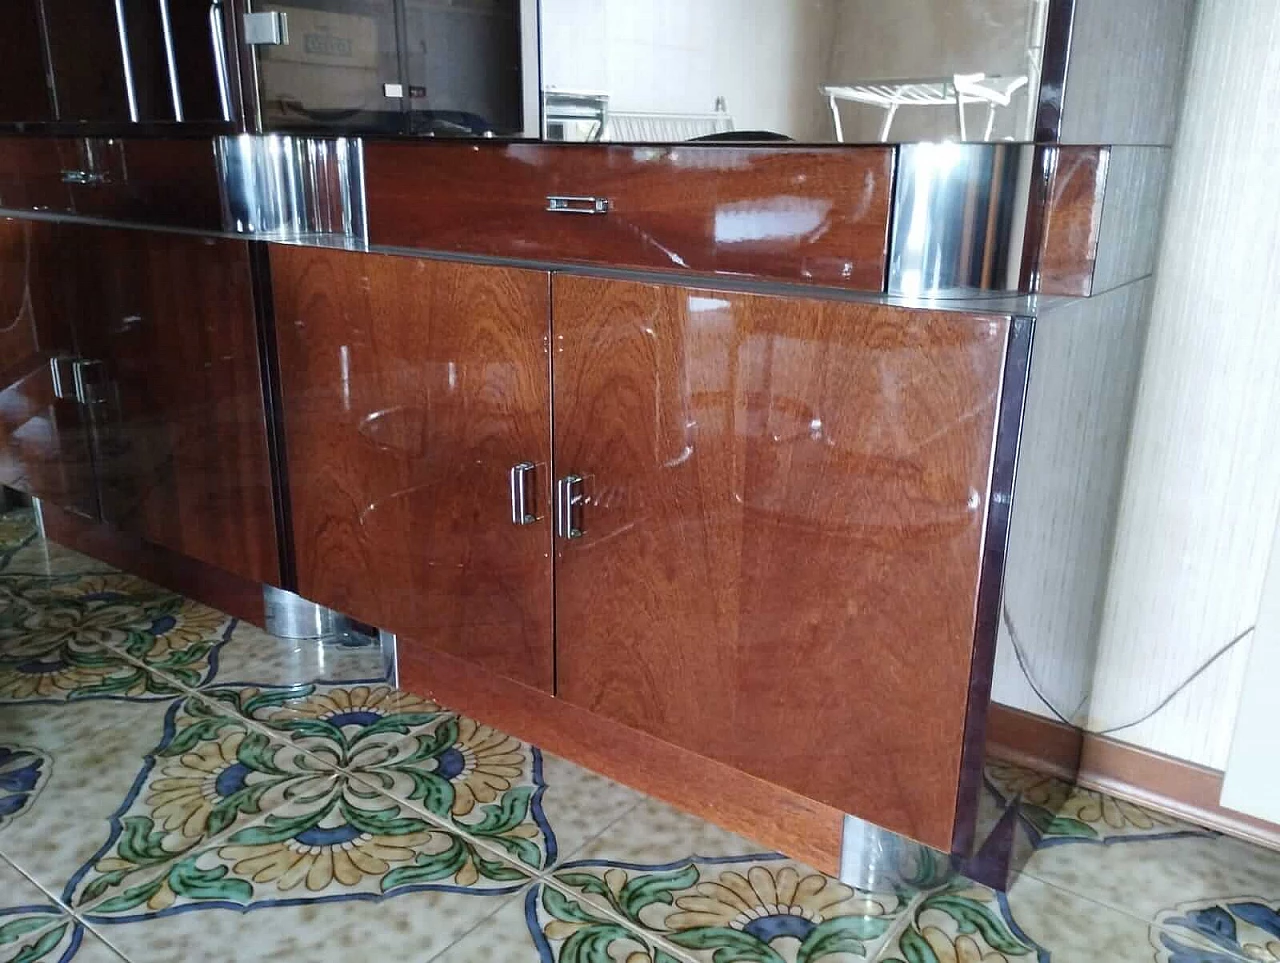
x: 147, y: 411
x: 770, y: 510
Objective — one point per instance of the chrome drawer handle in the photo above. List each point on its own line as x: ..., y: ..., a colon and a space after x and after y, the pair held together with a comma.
x: 569, y: 502
x: 86, y: 178
x: 522, y: 497
x: 566, y: 204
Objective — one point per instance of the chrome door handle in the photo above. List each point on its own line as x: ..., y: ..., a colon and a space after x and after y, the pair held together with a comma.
x: 89, y: 381
x: 572, y: 204
x: 569, y: 501
x: 522, y: 494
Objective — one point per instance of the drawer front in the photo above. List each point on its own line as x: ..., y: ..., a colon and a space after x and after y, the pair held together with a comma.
x: 791, y: 214
x: 158, y: 182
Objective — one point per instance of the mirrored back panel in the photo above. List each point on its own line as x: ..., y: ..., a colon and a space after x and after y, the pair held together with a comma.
x: 658, y: 71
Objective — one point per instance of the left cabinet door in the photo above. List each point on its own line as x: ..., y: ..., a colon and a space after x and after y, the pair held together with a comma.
x: 412, y: 391
x: 24, y: 88
x: 44, y: 438
x: 176, y: 394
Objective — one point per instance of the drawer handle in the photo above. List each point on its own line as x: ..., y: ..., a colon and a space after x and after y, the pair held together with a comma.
x: 569, y: 502
x: 522, y: 496
x: 566, y: 204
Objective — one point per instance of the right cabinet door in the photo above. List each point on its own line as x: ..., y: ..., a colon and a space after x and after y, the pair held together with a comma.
x: 413, y: 390
x: 779, y: 532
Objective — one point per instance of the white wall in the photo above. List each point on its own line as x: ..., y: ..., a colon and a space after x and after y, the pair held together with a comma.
x: 1202, y: 490
x: 1201, y: 493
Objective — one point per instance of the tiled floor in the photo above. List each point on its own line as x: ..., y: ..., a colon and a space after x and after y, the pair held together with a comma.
x: 176, y: 786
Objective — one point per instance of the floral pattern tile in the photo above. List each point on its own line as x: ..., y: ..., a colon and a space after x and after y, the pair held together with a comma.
x: 701, y: 893
x: 1234, y: 929
x: 545, y: 925
x: 23, y: 773
x: 193, y: 787
x: 1055, y: 812
x: 101, y: 636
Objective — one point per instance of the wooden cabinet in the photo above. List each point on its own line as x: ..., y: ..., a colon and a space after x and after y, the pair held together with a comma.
x: 85, y: 60
x: 411, y: 390
x: 784, y: 503
x: 166, y: 436
x: 44, y: 439
x: 773, y: 557
x: 169, y: 323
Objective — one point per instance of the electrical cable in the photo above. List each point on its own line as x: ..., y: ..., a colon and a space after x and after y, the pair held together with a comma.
x: 1023, y: 665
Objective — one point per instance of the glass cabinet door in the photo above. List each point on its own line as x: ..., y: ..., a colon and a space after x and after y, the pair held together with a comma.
x: 425, y: 67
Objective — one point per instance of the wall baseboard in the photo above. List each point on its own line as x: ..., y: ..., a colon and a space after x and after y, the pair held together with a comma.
x: 1173, y: 786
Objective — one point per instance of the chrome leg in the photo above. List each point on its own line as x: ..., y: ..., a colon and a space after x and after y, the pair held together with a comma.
x: 290, y: 616
x: 889, y: 115
x: 878, y: 861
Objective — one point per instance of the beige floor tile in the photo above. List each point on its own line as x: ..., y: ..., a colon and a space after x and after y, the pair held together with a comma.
x: 544, y: 924
x: 253, y: 657
x: 1151, y: 878
x: 711, y: 895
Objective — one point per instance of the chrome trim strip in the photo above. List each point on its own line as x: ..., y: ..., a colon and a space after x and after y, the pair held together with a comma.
x: 1055, y: 62
x: 171, y: 60
x: 126, y: 61
x: 995, y: 546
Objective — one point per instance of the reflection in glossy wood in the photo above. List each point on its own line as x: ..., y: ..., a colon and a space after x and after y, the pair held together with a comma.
x: 411, y: 388
x: 818, y: 215
x: 1072, y: 219
x: 44, y: 441
x: 786, y: 510
x: 31, y: 173
x: 182, y: 445
x: 24, y: 93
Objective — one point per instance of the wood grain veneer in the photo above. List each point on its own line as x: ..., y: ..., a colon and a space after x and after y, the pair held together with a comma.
x: 815, y: 215
x: 31, y: 173
x: 182, y: 458
x: 410, y: 389
x: 780, y: 566
x: 1072, y: 221
x: 776, y: 817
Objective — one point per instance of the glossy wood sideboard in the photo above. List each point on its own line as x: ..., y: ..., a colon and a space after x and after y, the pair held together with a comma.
x: 411, y: 389
x: 169, y: 441
x: 818, y: 215
x: 783, y: 533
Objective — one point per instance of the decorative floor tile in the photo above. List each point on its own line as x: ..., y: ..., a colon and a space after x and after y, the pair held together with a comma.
x: 1055, y: 812
x: 27, y: 913
x: 41, y: 557
x: 17, y: 530
x: 523, y: 804
x: 1147, y: 878
x: 1234, y: 928
x: 543, y: 925
x: 67, y: 940
x: 708, y: 895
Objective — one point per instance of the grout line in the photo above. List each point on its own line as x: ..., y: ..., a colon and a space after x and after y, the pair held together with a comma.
x: 487, y: 918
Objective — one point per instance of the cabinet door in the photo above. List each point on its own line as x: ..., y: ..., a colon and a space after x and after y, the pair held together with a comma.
x: 784, y: 511
x: 181, y: 423
x: 411, y: 389
x: 44, y: 440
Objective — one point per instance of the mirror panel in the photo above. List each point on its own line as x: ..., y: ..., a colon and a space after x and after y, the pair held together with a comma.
x: 658, y: 71
x: 813, y: 71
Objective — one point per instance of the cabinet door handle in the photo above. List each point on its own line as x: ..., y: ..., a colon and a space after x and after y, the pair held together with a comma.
x: 573, y: 204
x: 89, y: 381
x: 522, y: 494
x: 569, y: 501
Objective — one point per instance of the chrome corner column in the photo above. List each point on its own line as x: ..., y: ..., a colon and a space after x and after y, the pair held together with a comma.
x: 283, y: 187
x: 290, y: 616
x: 961, y: 214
